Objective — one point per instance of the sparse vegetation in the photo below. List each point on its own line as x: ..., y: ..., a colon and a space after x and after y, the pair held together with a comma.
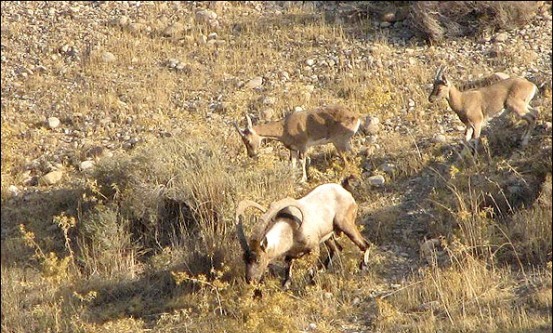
x: 438, y: 21
x: 141, y: 237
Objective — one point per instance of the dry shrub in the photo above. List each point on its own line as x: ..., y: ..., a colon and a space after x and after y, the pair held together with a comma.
x: 529, y: 231
x: 497, y: 212
x: 175, y: 193
x: 437, y: 20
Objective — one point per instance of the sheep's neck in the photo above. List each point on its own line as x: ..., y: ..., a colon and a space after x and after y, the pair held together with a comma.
x: 280, y: 239
x: 454, y: 99
x: 272, y: 130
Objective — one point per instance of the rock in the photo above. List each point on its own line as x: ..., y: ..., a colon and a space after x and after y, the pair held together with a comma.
x: 547, y: 125
x: 501, y: 37
x: 388, y: 17
x: 428, y: 250
x: 51, y: 178
x: 202, y: 39
x: 269, y: 100
x: 205, y: 16
x: 309, y: 88
x: 387, y: 167
x: 385, y: 24
x: 53, y: 122
x: 85, y: 165
x: 298, y: 109
x: 439, y: 138
x: 310, y: 62
x: 108, y: 57
x: 136, y: 27
x: 172, y: 63
x: 183, y: 67
x: 14, y: 191
x: 371, y: 125
x: 254, y: 83
x: 377, y: 180
x: 174, y: 30
x: 123, y: 21
x: 267, y: 113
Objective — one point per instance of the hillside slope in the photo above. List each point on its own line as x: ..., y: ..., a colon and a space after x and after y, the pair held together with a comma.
x: 121, y: 169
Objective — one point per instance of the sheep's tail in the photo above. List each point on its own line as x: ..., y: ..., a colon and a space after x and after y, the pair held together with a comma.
x: 349, y: 183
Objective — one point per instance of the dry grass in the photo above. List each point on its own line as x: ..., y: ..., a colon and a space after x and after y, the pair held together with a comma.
x: 439, y: 21
x: 146, y: 242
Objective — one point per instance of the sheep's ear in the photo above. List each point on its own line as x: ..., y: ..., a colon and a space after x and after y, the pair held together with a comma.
x: 263, y: 244
x: 250, y: 125
x: 444, y: 71
x: 238, y: 129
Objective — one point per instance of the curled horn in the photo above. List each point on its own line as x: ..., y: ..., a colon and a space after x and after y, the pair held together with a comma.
x: 242, y: 206
x: 280, y: 205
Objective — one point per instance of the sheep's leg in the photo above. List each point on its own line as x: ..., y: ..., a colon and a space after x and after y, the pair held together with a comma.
x: 468, y: 133
x: 530, y: 117
x: 288, y: 279
x: 303, y: 167
x: 314, y: 255
x: 361, y: 243
x: 343, y: 147
x: 346, y: 224
x: 523, y: 109
x: 293, y: 158
x: 333, y: 247
x: 476, y: 136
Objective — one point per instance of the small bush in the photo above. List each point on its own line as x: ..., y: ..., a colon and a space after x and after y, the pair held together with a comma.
x: 437, y: 20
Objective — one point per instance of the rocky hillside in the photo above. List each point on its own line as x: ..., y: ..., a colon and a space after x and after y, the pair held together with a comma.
x: 121, y: 167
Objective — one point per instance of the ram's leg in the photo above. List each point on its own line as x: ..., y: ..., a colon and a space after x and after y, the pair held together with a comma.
x: 476, y: 136
x: 313, y: 256
x: 288, y: 279
x: 346, y: 223
x: 294, y: 158
x: 344, y: 148
x: 303, y: 167
x: 333, y: 246
x: 520, y: 104
x: 531, y: 116
x: 468, y: 133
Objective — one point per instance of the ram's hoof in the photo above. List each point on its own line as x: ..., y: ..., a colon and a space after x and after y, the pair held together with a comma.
x: 257, y: 294
x: 363, y: 266
x: 286, y: 284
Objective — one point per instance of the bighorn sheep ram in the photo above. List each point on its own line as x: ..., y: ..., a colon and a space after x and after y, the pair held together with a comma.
x: 474, y: 107
x: 292, y: 228
x: 300, y: 130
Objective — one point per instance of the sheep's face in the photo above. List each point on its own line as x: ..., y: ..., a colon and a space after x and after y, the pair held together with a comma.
x: 252, y: 141
x: 441, y: 86
x: 256, y: 265
x: 439, y: 91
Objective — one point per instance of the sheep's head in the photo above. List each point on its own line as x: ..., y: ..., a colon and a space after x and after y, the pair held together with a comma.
x: 256, y: 256
x: 251, y: 139
x: 441, y: 86
x: 256, y: 260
